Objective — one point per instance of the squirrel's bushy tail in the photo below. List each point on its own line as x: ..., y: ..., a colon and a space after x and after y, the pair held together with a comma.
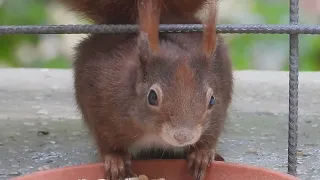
x: 126, y: 12
x: 104, y: 11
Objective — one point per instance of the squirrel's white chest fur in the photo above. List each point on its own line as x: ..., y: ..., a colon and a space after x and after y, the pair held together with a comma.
x: 151, y: 141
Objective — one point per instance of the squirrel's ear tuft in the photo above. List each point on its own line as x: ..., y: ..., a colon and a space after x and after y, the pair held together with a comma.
x: 145, y: 51
x: 209, y: 30
x: 149, y: 20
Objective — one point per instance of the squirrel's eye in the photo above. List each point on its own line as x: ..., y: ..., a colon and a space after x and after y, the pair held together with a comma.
x: 212, y: 101
x: 153, y: 98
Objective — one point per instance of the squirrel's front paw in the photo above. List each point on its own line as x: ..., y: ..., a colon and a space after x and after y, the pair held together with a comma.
x: 117, y: 166
x: 198, y: 161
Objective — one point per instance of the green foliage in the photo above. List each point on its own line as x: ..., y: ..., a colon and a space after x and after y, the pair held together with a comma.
x: 58, y: 62
x: 14, y: 12
x: 274, y: 12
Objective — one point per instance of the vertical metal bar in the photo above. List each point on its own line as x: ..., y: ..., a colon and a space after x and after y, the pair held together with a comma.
x: 293, y: 91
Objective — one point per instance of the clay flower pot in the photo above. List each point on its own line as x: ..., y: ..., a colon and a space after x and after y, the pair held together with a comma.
x: 168, y: 169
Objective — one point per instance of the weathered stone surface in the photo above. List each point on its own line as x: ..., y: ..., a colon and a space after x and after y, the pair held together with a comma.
x: 40, y: 127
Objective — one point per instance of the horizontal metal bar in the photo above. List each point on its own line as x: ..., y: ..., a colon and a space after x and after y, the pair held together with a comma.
x: 107, y: 29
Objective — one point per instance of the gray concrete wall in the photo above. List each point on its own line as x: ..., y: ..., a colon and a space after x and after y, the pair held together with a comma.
x: 33, y: 90
x: 33, y: 100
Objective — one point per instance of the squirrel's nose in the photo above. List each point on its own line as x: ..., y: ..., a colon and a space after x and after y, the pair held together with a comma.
x: 183, y: 135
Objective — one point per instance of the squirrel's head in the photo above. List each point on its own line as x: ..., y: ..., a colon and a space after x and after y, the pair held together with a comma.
x: 174, y: 96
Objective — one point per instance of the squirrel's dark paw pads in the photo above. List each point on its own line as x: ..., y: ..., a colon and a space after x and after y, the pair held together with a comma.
x: 117, y: 166
x: 198, y: 161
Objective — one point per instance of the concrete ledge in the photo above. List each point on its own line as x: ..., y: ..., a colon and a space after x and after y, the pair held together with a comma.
x: 33, y: 93
x: 39, y: 100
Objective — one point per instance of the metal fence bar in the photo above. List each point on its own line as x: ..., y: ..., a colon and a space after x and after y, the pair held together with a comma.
x: 293, y: 90
x: 180, y: 28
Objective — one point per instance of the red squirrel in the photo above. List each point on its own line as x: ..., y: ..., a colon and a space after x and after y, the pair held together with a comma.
x: 151, y: 92
x: 125, y: 11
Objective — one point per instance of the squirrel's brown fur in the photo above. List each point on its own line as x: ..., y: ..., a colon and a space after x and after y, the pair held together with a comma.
x: 115, y: 74
x: 125, y: 11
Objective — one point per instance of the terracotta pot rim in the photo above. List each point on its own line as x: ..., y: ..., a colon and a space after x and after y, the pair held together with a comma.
x: 99, y: 164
